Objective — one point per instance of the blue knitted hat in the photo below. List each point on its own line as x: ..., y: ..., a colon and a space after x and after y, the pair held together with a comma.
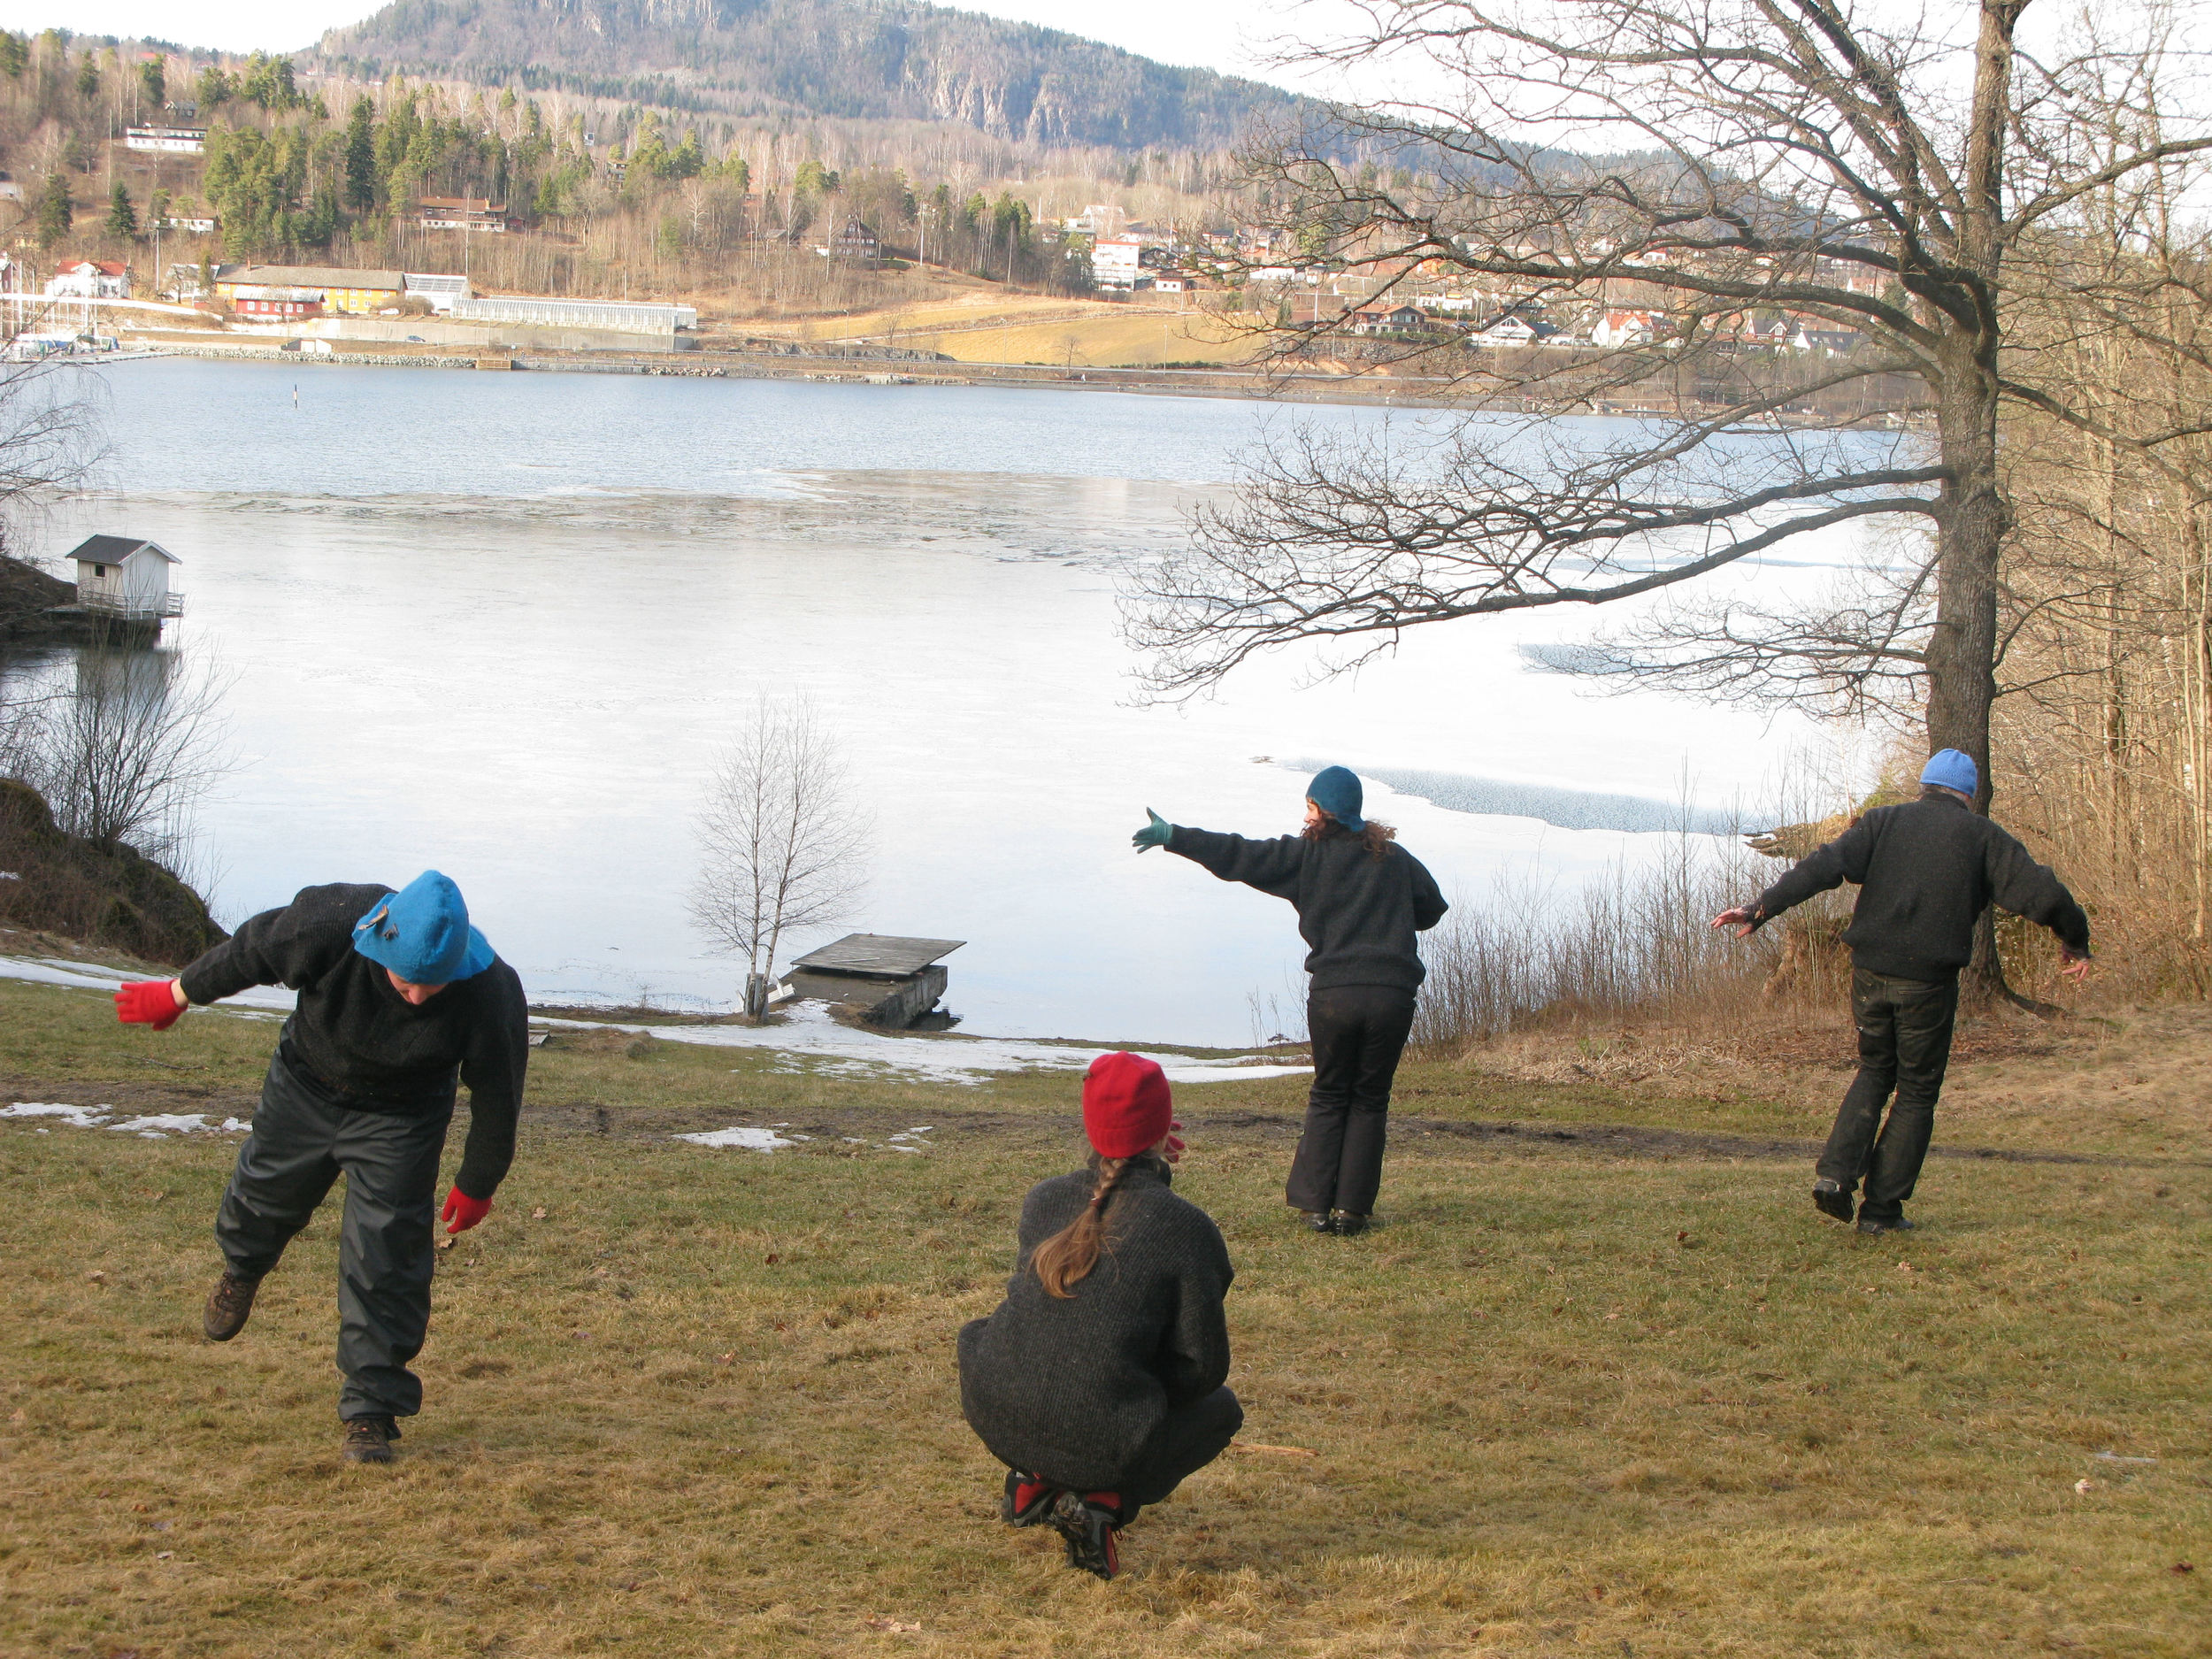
x: 1336, y: 791
x: 422, y: 933
x: 1952, y: 768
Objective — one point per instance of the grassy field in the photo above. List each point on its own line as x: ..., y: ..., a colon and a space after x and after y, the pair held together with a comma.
x: 998, y: 326
x: 1603, y: 1384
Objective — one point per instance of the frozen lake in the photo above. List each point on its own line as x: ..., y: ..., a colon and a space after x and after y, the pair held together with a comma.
x: 502, y: 623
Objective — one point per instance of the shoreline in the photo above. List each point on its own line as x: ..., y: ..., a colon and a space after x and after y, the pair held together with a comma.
x: 892, y: 367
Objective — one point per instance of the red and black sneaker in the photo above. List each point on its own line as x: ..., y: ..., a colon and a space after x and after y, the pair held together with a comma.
x: 1026, y: 1499
x: 1088, y: 1524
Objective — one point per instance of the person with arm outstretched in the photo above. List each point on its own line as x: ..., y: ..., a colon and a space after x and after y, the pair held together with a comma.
x: 1925, y: 871
x: 1360, y: 899
x: 400, y: 1001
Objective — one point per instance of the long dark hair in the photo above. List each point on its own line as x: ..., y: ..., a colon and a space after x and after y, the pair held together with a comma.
x: 1376, y: 837
x: 1069, y: 1255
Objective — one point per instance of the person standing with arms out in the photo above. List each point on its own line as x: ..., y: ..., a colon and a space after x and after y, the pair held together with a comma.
x: 399, y: 998
x: 1925, y: 871
x: 1099, y: 1381
x: 1361, y: 898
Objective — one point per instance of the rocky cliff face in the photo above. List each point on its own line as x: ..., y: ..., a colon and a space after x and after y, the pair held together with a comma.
x: 851, y: 58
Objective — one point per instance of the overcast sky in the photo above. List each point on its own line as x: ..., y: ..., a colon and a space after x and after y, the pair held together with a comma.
x: 1225, y: 34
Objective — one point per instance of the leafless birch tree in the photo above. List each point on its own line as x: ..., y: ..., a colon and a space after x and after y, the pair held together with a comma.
x: 782, y: 844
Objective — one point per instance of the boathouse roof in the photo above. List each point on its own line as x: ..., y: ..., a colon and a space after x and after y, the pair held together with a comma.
x: 882, y: 954
x: 113, y: 549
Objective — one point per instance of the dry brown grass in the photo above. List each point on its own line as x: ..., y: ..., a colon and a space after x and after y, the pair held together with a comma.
x: 1565, y: 1402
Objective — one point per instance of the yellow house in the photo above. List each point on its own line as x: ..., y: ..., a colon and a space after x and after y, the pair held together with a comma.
x: 358, y: 292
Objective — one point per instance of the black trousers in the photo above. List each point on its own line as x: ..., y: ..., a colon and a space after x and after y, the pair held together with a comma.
x: 1904, y: 1045
x: 303, y: 1140
x: 1358, y: 1032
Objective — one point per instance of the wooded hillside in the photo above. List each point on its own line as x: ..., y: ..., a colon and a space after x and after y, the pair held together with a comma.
x: 838, y: 58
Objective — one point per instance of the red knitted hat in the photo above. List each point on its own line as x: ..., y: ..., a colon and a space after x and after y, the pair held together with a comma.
x: 1125, y: 1104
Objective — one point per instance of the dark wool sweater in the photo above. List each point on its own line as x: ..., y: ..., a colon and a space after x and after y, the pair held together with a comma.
x: 1926, y: 870
x: 1356, y: 911
x: 1074, y: 1389
x: 364, y: 1042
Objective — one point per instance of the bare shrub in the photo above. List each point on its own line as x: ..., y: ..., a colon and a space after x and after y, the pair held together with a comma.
x: 782, y: 847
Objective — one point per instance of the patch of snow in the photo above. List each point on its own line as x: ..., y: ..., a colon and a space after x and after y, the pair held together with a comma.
x: 81, y: 1117
x: 811, y: 1039
x: 152, y: 1127
x: 738, y: 1135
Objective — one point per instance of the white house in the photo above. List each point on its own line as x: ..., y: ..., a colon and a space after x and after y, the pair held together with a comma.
x: 167, y: 141
x: 125, y: 576
x: 1116, y: 261
x: 1618, y: 328
x: 91, y: 280
x: 1512, y: 328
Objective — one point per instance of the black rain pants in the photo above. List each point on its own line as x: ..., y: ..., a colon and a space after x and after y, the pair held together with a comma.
x: 1357, y: 1032
x: 1904, y: 1045
x: 303, y: 1139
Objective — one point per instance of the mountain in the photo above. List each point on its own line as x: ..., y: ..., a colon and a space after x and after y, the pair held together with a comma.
x: 864, y: 59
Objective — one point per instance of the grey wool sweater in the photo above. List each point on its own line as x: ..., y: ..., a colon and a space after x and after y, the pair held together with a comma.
x: 1075, y: 1390
x: 363, y: 1043
x: 1356, y: 913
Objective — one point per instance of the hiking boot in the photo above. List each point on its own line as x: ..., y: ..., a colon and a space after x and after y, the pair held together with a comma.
x: 1831, y: 1199
x: 1026, y: 1499
x: 1317, y: 1219
x: 1883, y: 1223
x: 1088, y: 1529
x: 369, y: 1440
x: 229, y: 1305
x: 1345, y: 1225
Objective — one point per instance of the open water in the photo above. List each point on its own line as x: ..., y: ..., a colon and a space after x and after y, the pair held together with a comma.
x: 502, y: 625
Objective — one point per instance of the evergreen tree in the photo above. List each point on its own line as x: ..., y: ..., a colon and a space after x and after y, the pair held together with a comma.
x: 153, y: 80
x: 361, y: 156
x: 55, y: 212
x: 15, y: 55
x: 88, y: 77
x: 122, y: 222
x: 215, y: 88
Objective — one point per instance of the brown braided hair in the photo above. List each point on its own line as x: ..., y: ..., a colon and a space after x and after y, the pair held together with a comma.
x: 1069, y: 1255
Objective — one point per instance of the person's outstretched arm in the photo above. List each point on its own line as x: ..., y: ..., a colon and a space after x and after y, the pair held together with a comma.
x: 1428, y: 898
x: 293, y: 946
x: 493, y: 1069
x: 2033, y: 892
x: 1843, y: 859
x: 1271, y: 866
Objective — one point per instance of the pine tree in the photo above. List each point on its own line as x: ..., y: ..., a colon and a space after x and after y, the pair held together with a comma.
x: 15, y: 55
x: 122, y: 217
x: 153, y: 80
x: 361, y: 156
x: 55, y: 212
x: 87, y: 78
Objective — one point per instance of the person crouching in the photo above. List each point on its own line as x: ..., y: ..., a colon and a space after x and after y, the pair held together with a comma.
x: 1099, y: 1380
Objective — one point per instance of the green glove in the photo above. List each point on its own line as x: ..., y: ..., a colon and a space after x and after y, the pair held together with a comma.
x: 1154, y: 834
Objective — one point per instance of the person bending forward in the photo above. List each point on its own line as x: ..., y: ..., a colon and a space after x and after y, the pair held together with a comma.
x: 1926, y: 870
x: 1099, y: 1380
x: 398, y: 998
x: 1361, y: 898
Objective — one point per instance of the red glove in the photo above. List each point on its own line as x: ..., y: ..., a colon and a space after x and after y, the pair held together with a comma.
x: 148, y: 1002
x: 463, y: 1212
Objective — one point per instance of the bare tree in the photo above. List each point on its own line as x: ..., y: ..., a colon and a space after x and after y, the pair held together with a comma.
x: 782, y: 847
x: 126, y: 751
x: 1741, y: 169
